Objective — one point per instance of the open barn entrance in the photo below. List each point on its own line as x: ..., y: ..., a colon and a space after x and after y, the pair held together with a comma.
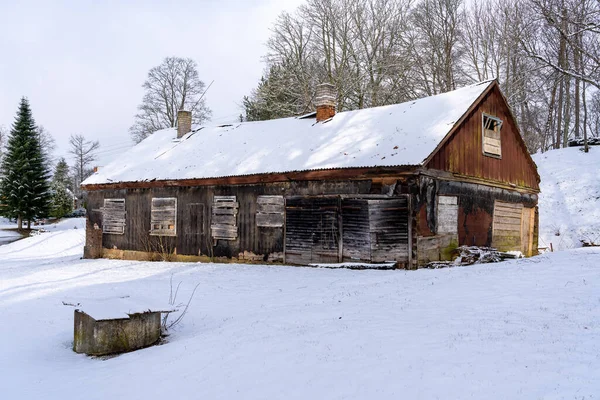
x: 334, y: 229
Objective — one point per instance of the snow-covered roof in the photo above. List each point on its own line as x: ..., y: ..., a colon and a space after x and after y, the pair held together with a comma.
x: 394, y: 135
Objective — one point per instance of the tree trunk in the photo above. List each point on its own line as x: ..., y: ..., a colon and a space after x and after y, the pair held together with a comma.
x: 19, y: 223
x: 548, y: 131
x: 561, y: 65
x: 586, y: 148
x: 567, y: 112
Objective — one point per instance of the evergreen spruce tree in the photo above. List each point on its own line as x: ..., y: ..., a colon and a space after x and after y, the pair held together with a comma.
x: 62, y: 197
x: 24, y: 190
x: 62, y: 200
x: 61, y: 174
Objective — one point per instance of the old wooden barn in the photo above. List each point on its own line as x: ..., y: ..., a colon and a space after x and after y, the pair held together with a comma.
x: 405, y: 183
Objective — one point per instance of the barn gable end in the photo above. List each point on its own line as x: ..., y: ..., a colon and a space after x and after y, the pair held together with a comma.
x: 461, y: 153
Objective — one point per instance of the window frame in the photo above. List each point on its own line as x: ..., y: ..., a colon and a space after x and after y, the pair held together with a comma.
x: 162, y: 231
x: 483, y: 137
x: 108, y: 229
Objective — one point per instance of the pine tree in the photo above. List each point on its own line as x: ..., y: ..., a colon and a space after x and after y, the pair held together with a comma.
x: 61, y: 174
x: 62, y: 200
x: 24, y: 190
x: 62, y: 197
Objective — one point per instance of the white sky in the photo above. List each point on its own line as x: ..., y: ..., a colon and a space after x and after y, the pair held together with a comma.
x: 82, y: 63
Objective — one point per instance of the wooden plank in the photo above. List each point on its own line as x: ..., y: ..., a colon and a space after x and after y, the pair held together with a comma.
x: 275, y: 200
x: 224, y: 198
x: 492, y: 135
x: 223, y: 230
x: 271, y: 208
x: 225, y: 211
x: 113, y: 216
x: 447, y: 215
x: 498, y: 226
x: 163, y: 214
x: 388, y: 227
x: 269, y: 220
x: 226, y: 204
x: 223, y: 219
x: 448, y: 200
x: 506, y: 205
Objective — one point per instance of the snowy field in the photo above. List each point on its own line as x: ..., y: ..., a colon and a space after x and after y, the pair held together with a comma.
x: 525, y: 329
x: 570, y: 199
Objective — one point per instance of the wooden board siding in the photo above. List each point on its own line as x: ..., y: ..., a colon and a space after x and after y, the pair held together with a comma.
x: 113, y: 216
x: 224, y: 218
x: 475, y: 209
x: 270, y: 211
x: 163, y: 218
x: 356, y: 235
x: 371, y: 230
x: 527, y: 229
x: 195, y: 217
x: 506, y: 233
x: 388, y: 226
x: 447, y: 214
x: 266, y: 243
x: 312, y: 230
x: 463, y: 153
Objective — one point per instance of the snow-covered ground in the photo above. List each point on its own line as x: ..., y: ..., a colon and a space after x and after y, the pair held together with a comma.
x: 7, y: 236
x: 525, y: 329
x: 570, y: 197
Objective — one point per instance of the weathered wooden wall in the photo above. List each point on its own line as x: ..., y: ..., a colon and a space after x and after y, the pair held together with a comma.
x: 463, y: 152
x: 261, y: 240
x: 475, y: 213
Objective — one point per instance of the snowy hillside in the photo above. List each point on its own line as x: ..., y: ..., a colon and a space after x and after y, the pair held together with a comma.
x: 525, y: 329
x: 570, y: 199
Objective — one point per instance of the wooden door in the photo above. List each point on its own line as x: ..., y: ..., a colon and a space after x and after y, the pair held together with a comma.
x: 312, y: 230
x: 388, y: 227
x: 507, y: 226
x: 528, y: 221
x: 194, y: 229
x: 356, y: 230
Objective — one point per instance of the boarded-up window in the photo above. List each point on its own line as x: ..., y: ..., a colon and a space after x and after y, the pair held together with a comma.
x: 163, y: 217
x: 224, y: 218
x: 491, y: 136
x: 270, y: 211
x: 113, y: 216
x: 506, y: 228
x: 447, y: 214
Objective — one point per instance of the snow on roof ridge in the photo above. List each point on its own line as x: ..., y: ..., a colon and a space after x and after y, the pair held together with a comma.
x: 384, y: 136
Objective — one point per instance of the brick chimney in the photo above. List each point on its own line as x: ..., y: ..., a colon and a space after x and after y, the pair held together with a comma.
x: 325, y: 101
x: 184, y: 122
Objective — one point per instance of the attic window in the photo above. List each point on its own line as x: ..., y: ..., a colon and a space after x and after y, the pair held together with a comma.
x: 163, y: 217
x: 491, y: 136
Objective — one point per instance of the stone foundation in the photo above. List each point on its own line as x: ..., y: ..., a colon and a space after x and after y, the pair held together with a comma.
x: 93, y: 240
x: 111, y: 336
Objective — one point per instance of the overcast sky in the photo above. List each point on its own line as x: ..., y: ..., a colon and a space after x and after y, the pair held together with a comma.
x: 82, y: 63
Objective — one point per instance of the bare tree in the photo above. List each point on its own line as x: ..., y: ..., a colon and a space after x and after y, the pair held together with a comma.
x: 48, y: 145
x: 577, y: 25
x: 436, y: 49
x: 83, y: 152
x: 173, y: 85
